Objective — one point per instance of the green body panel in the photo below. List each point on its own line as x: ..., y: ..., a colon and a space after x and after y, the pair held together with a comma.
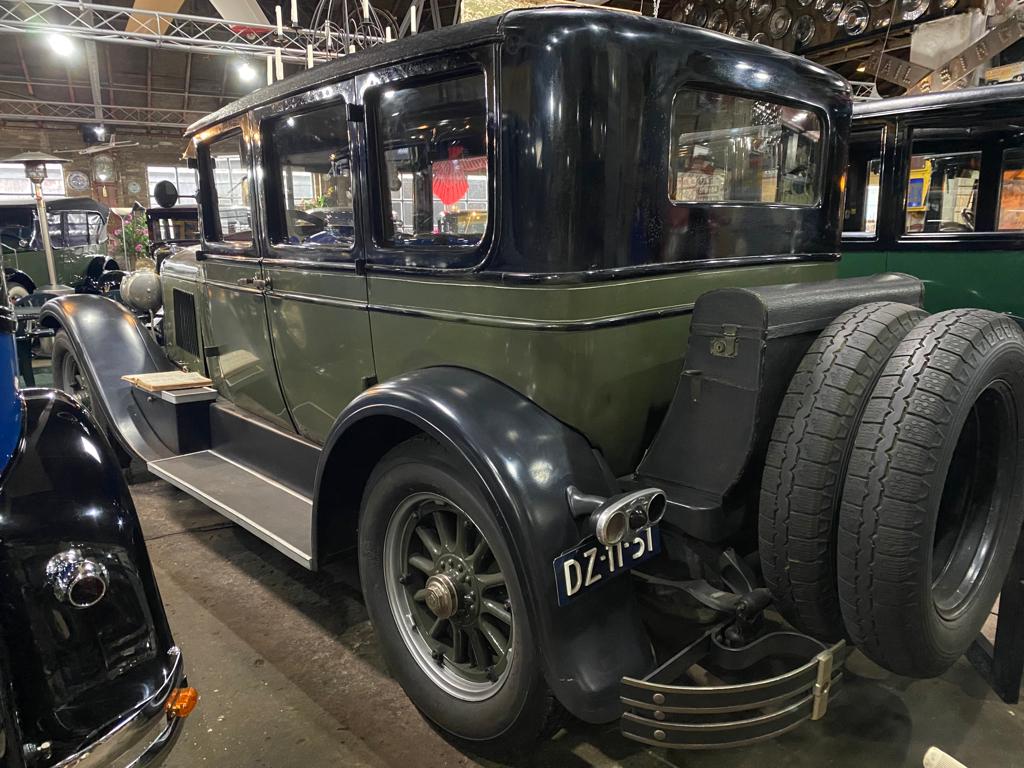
x: 234, y: 321
x: 186, y: 283
x: 321, y: 337
x: 986, y: 279
x: 612, y: 383
x: 603, y: 357
x: 70, y: 263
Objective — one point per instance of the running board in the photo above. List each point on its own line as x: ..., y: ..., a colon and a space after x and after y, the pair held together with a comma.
x: 276, y: 514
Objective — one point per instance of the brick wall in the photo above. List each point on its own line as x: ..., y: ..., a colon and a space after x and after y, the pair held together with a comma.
x: 129, y: 162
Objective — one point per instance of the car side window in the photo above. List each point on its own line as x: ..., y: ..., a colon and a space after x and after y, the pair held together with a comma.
x: 97, y: 230
x: 1011, y: 191
x: 231, y: 213
x: 78, y: 230
x: 942, y: 192
x: 55, y: 227
x: 862, y: 182
x: 432, y: 164
x: 312, y: 189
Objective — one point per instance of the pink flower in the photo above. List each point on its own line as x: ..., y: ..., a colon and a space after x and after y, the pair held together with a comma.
x: 138, y: 246
x: 117, y: 232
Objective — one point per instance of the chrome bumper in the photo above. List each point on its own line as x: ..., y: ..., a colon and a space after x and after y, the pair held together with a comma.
x: 143, y: 738
x: 718, y: 716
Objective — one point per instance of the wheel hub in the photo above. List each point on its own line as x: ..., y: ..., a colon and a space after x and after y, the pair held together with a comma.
x: 442, y: 596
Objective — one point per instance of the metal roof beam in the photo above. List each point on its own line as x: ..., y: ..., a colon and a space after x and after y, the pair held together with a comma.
x: 156, y: 29
x: 69, y: 112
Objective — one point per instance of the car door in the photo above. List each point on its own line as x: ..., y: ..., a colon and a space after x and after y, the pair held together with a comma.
x: 234, y: 317
x: 315, y: 287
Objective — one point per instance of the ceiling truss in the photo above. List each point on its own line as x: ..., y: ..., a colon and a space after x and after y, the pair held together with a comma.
x: 69, y: 112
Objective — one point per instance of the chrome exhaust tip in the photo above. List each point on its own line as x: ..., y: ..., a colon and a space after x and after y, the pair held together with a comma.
x: 612, y: 520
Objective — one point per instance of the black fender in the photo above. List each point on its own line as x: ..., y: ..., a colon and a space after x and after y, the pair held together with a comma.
x: 77, y: 670
x: 13, y: 275
x: 525, y: 459
x: 111, y: 342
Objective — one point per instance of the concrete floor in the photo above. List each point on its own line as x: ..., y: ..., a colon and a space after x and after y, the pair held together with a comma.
x: 290, y: 675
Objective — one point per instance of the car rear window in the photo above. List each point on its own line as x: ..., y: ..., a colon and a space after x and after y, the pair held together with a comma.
x: 433, y: 163
x: 727, y: 148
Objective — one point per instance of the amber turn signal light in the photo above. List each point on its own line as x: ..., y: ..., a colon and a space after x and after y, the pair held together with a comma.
x: 181, y: 702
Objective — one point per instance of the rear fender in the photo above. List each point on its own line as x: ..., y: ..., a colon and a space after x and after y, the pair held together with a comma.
x: 110, y: 342
x: 524, y: 460
x: 76, y: 670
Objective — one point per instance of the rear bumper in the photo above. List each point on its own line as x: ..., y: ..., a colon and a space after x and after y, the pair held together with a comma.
x: 143, y: 738
x: 717, y: 716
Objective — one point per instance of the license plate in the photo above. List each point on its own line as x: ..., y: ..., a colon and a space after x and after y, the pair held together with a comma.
x: 585, y: 567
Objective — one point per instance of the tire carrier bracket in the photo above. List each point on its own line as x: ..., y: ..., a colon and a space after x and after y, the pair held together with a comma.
x: 659, y: 713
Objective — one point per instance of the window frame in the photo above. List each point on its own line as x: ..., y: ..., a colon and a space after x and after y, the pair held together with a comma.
x: 209, y: 221
x: 823, y: 123
x: 989, y: 239
x: 342, y: 95
x: 382, y: 256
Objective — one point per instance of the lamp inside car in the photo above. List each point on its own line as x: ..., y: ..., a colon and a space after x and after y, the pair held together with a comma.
x: 181, y: 702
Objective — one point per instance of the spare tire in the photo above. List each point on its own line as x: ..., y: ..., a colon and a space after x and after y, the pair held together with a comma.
x: 931, y: 508
x: 810, y: 446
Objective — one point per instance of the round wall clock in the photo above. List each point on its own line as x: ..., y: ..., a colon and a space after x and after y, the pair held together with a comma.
x: 134, y: 188
x: 78, y: 181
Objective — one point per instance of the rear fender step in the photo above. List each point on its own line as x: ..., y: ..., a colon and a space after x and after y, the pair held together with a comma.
x: 717, y: 716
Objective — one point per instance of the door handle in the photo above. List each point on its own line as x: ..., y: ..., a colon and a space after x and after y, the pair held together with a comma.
x: 256, y: 282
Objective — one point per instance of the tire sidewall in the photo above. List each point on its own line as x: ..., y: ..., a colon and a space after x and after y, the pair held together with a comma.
x: 422, y: 466
x: 1004, y: 362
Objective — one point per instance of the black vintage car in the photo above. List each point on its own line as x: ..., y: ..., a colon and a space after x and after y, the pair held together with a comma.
x: 89, y: 673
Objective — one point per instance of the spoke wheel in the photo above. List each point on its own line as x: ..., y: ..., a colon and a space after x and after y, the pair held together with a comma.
x: 448, y: 596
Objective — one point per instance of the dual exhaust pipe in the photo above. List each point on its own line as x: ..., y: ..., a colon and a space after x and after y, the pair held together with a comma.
x: 614, y: 519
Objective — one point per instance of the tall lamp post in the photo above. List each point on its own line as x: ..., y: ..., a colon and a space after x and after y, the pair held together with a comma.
x: 35, y: 171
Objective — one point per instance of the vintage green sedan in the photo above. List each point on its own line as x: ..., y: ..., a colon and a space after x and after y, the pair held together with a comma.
x: 78, y: 236
x: 537, y: 317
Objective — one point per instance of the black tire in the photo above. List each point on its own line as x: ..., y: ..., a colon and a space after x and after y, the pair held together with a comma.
x: 810, y: 447
x: 521, y: 707
x: 68, y: 373
x: 931, y: 509
x: 71, y: 377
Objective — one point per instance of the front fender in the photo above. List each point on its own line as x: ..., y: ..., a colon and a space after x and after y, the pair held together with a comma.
x: 524, y: 459
x: 110, y: 342
x: 77, y: 671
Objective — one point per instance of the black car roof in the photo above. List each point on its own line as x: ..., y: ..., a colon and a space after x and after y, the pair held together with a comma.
x: 993, y: 97
x: 476, y: 32
x: 61, y: 204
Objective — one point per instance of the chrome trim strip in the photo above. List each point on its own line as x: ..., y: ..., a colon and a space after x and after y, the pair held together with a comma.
x: 324, y: 300
x: 232, y: 286
x: 148, y: 724
x: 296, y: 554
x: 495, y: 321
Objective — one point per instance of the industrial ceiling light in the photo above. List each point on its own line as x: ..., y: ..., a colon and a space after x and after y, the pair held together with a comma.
x: 60, y: 44
x: 100, y: 132
x: 246, y: 72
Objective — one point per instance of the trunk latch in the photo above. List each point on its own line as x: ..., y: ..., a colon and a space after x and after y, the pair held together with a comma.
x: 726, y: 344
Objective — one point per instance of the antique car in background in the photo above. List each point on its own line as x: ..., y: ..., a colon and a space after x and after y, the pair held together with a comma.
x: 78, y: 236
x: 581, y: 443
x: 936, y: 190
x: 89, y: 673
